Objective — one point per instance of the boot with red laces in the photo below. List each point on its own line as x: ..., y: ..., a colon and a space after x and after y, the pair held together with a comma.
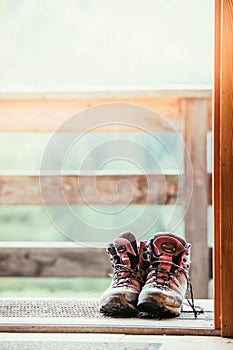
x: 121, y: 298
x: 167, y: 279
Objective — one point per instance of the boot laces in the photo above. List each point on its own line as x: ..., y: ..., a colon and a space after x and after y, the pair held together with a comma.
x: 123, y: 276
x: 197, y: 310
x: 162, y: 277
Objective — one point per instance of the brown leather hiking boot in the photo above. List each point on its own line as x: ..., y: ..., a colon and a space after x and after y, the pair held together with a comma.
x: 167, y: 276
x: 121, y: 298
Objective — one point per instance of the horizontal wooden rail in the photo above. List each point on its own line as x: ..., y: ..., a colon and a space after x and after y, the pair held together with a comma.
x: 100, y: 190
x: 80, y: 190
x: 53, y: 260
x: 46, y: 115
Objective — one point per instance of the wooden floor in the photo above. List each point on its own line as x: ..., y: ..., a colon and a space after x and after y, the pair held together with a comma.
x: 83, y: 316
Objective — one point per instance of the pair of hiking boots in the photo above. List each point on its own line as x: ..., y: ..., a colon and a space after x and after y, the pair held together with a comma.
x: 150, y: 276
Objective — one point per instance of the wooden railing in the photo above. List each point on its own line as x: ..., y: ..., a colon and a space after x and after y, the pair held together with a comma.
x: 188, y: 110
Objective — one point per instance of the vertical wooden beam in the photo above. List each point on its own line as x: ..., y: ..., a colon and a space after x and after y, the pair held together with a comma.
x: 196, y: 229
x: 226, y: 168
x: 216, y: 163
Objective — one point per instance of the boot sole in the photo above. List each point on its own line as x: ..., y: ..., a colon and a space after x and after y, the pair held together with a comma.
x: 117, y: 308
x: 117, y: 311
x: 151, y: 308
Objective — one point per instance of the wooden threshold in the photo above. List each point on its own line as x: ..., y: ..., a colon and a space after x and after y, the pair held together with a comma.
x: 65, y: 315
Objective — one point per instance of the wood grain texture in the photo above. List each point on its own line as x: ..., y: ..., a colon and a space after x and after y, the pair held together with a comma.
x: 102, y: 189
x: 42, y: 115
x: 196, y: 229
x: 44, y: 260
x: 216, y: 164
x: 80, y: 190
x: 226, y: 168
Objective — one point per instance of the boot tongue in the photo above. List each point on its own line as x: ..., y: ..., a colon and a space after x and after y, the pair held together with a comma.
x: 126, y: 249
x: 167, y: 246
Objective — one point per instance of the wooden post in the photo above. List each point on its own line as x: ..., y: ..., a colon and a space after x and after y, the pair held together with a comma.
x: 224, y: 167
x: 216, y: 166
x: 196, y: 230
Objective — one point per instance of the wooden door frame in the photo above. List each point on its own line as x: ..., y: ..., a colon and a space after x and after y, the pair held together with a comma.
x: 223, y: 167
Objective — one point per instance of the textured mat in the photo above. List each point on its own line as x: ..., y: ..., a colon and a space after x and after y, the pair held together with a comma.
x: 85, y: 308
x: 83, y: 315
